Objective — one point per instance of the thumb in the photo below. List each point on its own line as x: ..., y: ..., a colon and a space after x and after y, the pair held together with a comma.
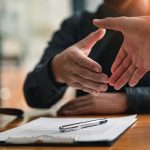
x: 117, y: 24
x: 88, y: 42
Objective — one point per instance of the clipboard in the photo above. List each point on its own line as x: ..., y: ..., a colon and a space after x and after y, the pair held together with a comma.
x: 45, y: 131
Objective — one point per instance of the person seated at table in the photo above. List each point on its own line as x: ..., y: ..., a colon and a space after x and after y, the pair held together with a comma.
x: 46, y: 84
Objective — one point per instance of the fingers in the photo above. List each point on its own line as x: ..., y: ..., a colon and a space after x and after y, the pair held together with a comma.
x: 126, y: 72
x: 90, y: 75
x: 120, y: 70
x: 87, y: 43
x: 78, y: 85
x: 88, y: 80
x: 86, y: 62
x: 79, y: 106
x: 97, y: 86
x: 79, y: 101
x: 85, y: 46
x: 125, y: 77
x: 137, y: 75
x: 119, y: 58
x: 117, y: 23
x: 85, y: 79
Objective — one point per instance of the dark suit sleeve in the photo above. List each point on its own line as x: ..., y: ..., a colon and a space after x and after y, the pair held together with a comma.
x: 138, y: 99
x: 40, y: 88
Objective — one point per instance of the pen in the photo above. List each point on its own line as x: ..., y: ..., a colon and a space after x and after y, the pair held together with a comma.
x: 80, y: 125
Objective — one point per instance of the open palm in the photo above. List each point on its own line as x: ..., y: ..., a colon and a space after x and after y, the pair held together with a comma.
x: 133, y: 59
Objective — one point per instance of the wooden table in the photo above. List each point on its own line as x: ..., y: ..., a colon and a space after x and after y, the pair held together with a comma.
x: 136, y: 138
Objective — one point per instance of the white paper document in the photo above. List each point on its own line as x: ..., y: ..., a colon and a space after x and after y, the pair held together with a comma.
x: 46, y: 130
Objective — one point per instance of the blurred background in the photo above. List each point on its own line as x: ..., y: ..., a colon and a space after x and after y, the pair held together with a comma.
x: 25, y: 28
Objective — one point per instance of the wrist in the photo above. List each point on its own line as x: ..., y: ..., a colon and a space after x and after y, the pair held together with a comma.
x: 119, y: 101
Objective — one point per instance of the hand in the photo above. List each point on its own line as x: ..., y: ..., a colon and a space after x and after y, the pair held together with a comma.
x: 133, y: 59
x: 105, y: 103
x: 75, y: 68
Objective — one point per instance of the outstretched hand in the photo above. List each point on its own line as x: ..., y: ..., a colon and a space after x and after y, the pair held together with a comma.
x: 133, y: 59
x: 76, y: 69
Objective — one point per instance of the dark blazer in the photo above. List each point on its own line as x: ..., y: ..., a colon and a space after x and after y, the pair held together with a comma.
x: 40, y: 88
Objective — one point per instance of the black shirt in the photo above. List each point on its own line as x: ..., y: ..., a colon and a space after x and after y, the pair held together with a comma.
x: 40, y: 88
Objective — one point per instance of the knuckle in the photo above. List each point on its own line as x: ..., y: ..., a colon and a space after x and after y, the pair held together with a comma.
x: 128, y: 73
x: 125, y: 63
x: 68, y: 68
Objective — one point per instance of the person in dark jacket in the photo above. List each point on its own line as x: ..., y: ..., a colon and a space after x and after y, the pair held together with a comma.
x: 45, y: 85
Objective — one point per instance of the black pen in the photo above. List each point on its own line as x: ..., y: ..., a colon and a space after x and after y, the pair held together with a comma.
x: 81, y: 125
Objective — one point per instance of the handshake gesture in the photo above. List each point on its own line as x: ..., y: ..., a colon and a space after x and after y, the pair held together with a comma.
x: 75, y: 68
